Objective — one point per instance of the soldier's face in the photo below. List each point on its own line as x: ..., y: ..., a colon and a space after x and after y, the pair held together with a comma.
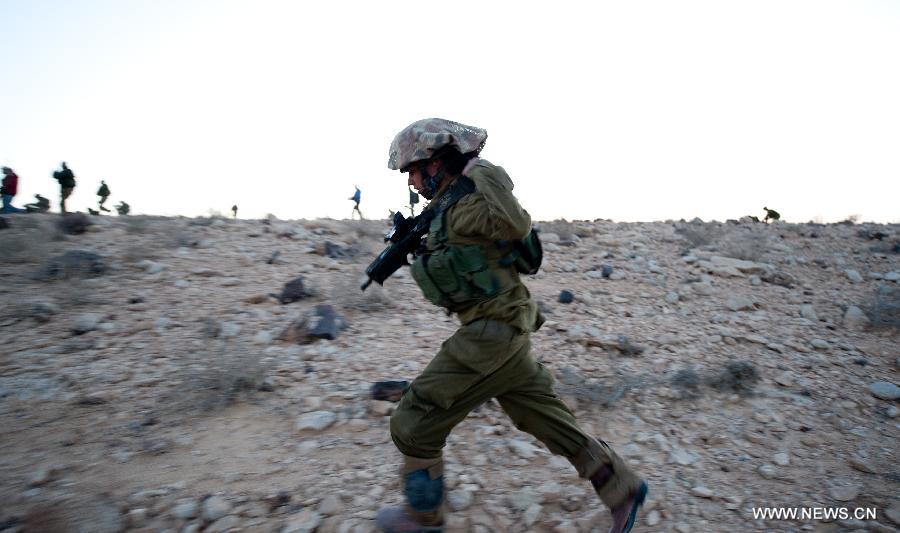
x: 417, y: 179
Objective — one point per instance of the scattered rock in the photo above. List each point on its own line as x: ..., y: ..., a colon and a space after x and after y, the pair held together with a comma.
x: 853, y: 276
x: 702, y: 492
x: 214, y: 508
x: 293, y: 291
x: 855, y: 319
x: 316, y: 420
x: 566, y: 297
x: 843, y: 493
x: 85, y: 322
x: 306, y: 521
x: 885, y: 390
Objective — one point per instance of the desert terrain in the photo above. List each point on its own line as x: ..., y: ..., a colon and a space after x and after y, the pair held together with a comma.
x: 155, y: 375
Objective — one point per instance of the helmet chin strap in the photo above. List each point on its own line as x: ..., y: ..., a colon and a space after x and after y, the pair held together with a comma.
x: 431, y: 183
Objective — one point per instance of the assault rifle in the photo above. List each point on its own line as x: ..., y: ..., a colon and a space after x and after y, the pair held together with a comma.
x: 406, y: 234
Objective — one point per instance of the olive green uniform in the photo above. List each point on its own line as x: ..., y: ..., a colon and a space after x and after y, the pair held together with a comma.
x: 489, y: 356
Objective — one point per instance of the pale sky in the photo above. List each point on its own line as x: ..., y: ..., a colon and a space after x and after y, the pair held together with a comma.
x: 632, y: 110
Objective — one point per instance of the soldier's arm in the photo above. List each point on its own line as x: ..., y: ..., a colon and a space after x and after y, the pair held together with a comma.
x: 492, y: 211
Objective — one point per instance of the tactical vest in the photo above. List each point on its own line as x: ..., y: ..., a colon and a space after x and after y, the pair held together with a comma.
x: 458, y: 277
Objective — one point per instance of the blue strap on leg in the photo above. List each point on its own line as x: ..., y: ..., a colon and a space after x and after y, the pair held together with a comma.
x: 424, y: 494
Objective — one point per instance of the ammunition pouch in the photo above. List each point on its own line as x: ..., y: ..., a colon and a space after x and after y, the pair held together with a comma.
x: 458, y: 277
x: 526, y: 255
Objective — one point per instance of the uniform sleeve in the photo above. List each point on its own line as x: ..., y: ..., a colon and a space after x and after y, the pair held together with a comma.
x: 492, y: 211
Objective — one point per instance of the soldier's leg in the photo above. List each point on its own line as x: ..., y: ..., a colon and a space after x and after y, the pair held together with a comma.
x: 535, y: 408
x: 470, y: 368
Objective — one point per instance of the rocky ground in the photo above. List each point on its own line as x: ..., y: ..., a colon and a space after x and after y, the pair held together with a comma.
x: 150, y: 380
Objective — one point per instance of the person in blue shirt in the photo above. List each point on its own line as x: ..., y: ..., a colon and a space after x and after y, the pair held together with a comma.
x: 356, y: 196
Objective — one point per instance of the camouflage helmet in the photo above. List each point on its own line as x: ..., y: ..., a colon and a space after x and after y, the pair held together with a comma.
x: 422, y: 139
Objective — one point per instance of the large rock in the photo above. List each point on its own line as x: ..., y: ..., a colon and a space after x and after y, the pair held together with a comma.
x: 293, y: 291
x: 855, y: 318
x: 885, y: 390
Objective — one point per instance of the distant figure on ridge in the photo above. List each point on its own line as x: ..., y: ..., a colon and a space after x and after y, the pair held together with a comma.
x: 356, y: 197
x: 122, y: 208
x: 103, y: 193
x: 413, y: 200
x: 66, y: 180
x: 234, y: 211
x: 42, y: 205
x: 771, y: 214
x: 9, y: 190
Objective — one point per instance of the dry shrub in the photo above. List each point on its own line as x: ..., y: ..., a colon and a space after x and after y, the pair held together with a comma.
x: 347, y: 294
x: 737, y: 376
x: 30, y: 241
x: 215, y: 376
x: 700, y: 234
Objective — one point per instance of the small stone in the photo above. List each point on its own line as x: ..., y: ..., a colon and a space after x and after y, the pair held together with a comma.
x: 331, y: 505
x: 672, y: 297
x: 460, y: 500
x: 682, y: 457
x: 316, y: 420
x: 861, y: 465
x: 855, y: 318
x: 820, y: 344
x: 755, y: 280
x: 853, y: 276
x: 740, y: 304
x: 522, y: 449
x: 702, y: 492
x: 653, y: 518
x: 885, y: 390
x: 768, y: 471
x: 785, y: 379
x: 606, y: 271
x: 85, y: 322
x: 566, y: 297
x: 186, y: 509
x: 781, y: 459
x: 808, y: 312
x: 214, y: 508
x: 843, y: 493
x: 136, y: 517
x: 306, y: 521
x: 531, y: 514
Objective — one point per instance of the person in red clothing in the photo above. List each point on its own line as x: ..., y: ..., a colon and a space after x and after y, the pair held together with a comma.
x: 10, y: 188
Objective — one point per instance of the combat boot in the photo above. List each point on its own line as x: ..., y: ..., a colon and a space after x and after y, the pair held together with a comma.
x: 615, y: 483
x: 423, y: 488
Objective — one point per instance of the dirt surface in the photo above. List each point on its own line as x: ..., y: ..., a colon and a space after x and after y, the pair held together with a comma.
x: 153, y: 386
